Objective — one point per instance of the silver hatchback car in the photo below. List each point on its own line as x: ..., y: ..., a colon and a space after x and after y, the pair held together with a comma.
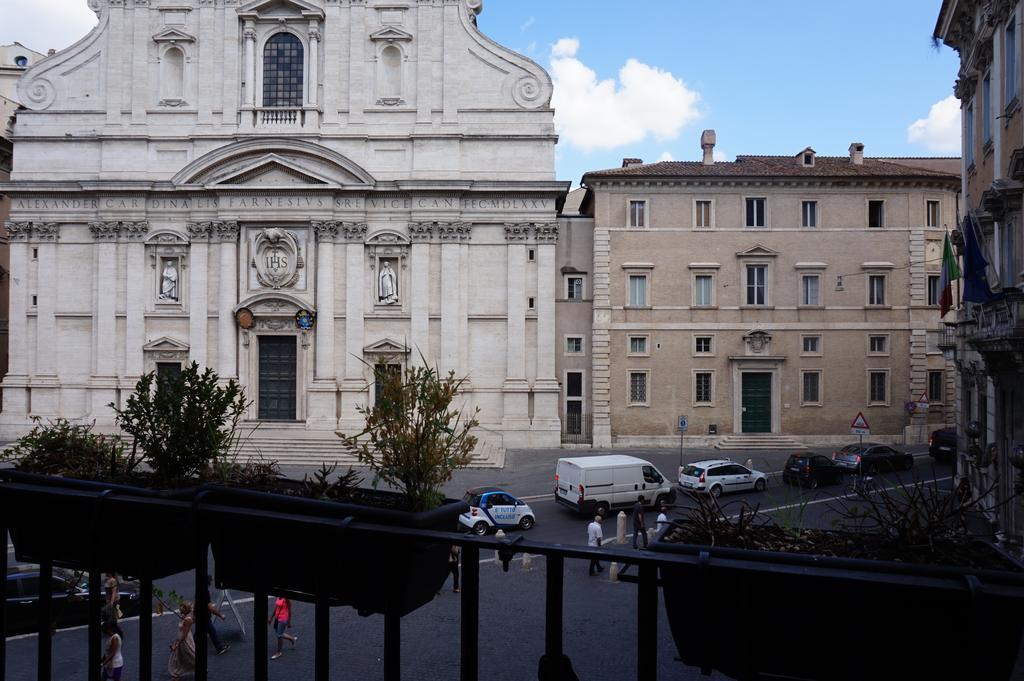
x: 716, y: 476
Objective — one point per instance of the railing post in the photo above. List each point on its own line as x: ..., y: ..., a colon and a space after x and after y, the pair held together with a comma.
x: 44, y: 658
x: 145, y: 627
x: 647, y: 623
x: 392, y: 646
x: 553, y: 604
x: 3, y: 599
x: 322, y: 659
x: 259, y: 636
x: 470, y: 613
x: 200, y: 611
x: 95, y: 610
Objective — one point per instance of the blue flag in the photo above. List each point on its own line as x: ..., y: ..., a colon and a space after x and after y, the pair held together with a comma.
x: 976, y: 286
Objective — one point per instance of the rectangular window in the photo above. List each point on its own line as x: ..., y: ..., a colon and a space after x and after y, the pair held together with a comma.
x: 878, y: 345
x: 1010, y: 60
x: 638, y: 345
x: 574, y: 345
x: 756, y: 212
x: 531, y: 255
x: 933, y: 289
x: 702, y: 384
x: 757, y: 284
x: 986, y: 109
x: 574, y: 384
x: 932, y: 213
x: 876, y: 214
x: 809, y: 212
x: 969, y: 134
x: 574, y: 288
x: 810, y: 289
x: 811, y: 345
x: 702, y: 345
x: 637, y: 290
x: 530, y: 303
x: 876, y: 289
x: 702, y: 217
x: 811, y: 388
x: 1008, y: 271
x: 936, y: 387
x: 638, y: 214
x: 878, y: 389
x: 638, y: 387
x: 703, y: 290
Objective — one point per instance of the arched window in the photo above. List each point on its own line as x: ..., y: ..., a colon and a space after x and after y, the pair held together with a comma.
x: 172, y: 74
x: 391, y: 76
x: 282, y: 71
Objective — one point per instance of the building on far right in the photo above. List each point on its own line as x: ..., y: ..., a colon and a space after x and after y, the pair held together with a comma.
x: 988, y: 347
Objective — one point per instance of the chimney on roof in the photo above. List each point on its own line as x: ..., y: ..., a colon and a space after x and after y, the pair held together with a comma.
x: 630, y: 162
x: 51, y: 52
x: 857, y: 154
x: 707, y: 143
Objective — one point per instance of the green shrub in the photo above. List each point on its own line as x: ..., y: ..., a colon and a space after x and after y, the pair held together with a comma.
x: 71, y: 449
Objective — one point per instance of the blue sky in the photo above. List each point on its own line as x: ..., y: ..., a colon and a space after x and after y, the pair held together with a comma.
x: 643, y: 79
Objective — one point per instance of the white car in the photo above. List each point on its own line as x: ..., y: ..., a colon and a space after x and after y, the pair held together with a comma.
x: 717, y: 476
x: 492, y: 507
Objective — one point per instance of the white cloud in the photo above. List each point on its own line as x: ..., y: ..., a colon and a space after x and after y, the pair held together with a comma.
x: 529, y: 22
x: 719, y: 155
x: 941, y: 130
x: 44, y: 24
x: 665, y: 156
x: 592, y: 114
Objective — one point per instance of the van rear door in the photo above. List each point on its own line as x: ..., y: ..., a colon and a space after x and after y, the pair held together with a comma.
x: 568, y: 477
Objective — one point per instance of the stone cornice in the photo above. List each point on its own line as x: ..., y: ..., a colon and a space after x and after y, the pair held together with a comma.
x: 326, y: 231
x: 105, y: 231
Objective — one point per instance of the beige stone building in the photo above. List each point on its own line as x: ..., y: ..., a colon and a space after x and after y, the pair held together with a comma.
x: 769, y: 296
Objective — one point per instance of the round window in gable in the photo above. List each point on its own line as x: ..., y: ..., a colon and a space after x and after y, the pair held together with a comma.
x: 21, y: 61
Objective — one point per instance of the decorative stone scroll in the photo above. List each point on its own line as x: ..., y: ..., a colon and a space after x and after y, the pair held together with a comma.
x: 277, y: 258
x: 517, y: 231
x: 421, y: 231
x: 18, y: 231
x: 45, y: 231
x: 354, y: 231
x: 326, y: 231
x: 105, y: 231
x: 225, y: 231
x: 455, y: 231
x: 546, y: 232
x: 198, y: 231
x: 135, y: 231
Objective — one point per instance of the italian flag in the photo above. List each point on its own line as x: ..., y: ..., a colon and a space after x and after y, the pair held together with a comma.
x: 950, y: 272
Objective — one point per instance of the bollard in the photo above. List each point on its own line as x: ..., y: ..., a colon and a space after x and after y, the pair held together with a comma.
x: 527, y: 561
x: 620, y: 528
x: 613, y: 572
x: 499, y: 535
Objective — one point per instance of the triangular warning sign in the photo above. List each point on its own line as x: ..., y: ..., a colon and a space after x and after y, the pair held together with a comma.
x: 860, y: 421
x: 923, y: 399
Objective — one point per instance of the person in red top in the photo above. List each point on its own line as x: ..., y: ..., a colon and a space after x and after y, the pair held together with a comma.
x: 282, y: 621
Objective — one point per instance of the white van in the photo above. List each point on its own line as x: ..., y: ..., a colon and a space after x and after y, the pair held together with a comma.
x: 590, y: 483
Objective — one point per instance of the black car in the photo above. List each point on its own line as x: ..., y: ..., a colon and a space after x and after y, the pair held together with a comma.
x: 871, y: 457
x: 70, y: 599
x: 942, y: 444
x: 811, y: 470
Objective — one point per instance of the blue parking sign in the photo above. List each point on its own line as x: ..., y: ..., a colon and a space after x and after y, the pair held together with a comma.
x: 684, y: 423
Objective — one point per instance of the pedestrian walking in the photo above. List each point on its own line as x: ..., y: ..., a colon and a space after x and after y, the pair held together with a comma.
x: 282, y: 622
x: 112, y: 590
x: 211, y: 612
x: 663, y: 520
x: 112, y: 662
x: 453, y: 566
x: 594, y: 538
x: 639, y: 524
x: 183, y: 649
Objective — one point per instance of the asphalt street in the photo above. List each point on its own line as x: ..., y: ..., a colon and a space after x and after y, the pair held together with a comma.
x: 600, y: 626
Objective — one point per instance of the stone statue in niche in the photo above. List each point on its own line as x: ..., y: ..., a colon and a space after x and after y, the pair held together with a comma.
x: 387, y: 285
x: 169, y: 281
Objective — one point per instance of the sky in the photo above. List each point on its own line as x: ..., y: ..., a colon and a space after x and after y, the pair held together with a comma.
x: 643, y: 79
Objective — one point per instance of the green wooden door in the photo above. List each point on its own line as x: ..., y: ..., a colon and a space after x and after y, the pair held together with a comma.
x: 277, y: 378
x: 757, y: 403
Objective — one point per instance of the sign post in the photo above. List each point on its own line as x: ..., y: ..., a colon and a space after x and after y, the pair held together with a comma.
x: 860, y: 426
x: 684, y: 424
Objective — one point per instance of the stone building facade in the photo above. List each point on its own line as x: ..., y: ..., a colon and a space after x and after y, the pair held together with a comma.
x: 769, y: 296
x: 296, y: 193
x: 989, y: 341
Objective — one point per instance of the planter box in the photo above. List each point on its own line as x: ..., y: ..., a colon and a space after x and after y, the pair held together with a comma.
x: 750, y: 613
x: 271, y: 543
x: 150, y: 532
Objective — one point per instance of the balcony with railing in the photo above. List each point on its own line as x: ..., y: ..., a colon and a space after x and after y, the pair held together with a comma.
x: 277, y: 118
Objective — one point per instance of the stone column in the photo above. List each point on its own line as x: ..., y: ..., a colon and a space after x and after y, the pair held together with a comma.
x: 227, y: 330
x: 353, y: 387
x: 104, y: 375
x: 451, y: 235
x: 546, y: 424
x: 600, y: 353
x: 46, y: 235
x: 357, y: 62
x: 249, y: 35
x: 426, y: 60
x: 420, y: 233
x: 312, y: 84
x: 198, y: 304
x: 15, y: 395
x: 117, y: 60
x: 140, y: 61
x: 333, y: 27
x: 207, y: 55
x: 322, y: 393
x: 516, y: 391
x: 135, y: 303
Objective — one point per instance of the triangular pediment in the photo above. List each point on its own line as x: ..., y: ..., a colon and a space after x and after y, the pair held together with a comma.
x: 390, y: 33
x: 173, y: 35
x: 386, y: 346
x: 272, y: 170
x: 757, y: 251
x: 165, y: 344
x: 273, y: 8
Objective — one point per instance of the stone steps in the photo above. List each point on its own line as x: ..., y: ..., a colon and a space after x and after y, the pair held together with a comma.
x: 758, y: 442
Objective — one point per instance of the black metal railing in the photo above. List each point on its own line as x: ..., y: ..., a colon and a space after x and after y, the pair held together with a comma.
x: 946, y: 336
x: 577, y: 428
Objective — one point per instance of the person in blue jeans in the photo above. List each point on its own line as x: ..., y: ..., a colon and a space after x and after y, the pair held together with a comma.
x: 211, y: 612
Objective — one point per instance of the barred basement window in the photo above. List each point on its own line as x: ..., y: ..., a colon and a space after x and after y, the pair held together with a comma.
x: 638, y: 387
x: 702, y: 387
x: 282, y: 71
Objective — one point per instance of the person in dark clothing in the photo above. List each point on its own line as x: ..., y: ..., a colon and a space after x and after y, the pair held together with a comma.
x: 211, y: 612
x: 639, y: 525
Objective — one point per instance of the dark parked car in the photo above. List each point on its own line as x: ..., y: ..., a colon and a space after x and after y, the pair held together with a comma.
x: 942, y: 444
x: 811, y: 470
x: 70, y: 599
x: 870, y: 458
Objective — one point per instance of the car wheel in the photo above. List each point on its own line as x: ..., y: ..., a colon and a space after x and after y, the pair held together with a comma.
x: 760, y: 485
x: 602, y: 509
x: 812, y: 483
x: 715, y: 491
x: 526, y: 522
x: 480, y: 529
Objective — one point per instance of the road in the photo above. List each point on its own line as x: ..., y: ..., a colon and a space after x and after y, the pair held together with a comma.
x: 600, y: 625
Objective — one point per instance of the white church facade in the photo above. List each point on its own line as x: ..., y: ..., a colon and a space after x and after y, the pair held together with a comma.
x: 296, y: 193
